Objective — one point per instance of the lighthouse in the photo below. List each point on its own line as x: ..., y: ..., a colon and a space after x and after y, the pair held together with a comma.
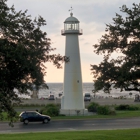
x: 72, y: 102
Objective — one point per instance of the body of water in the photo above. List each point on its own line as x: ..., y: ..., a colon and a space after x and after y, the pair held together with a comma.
x: 57, y: 88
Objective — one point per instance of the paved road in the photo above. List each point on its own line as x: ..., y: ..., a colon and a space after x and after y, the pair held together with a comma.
x: 72, y: 125
x: 108, y: 101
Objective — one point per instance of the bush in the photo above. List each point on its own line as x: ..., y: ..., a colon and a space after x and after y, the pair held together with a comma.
x: 92, y: 107
x: 133, y: 108
x: 104, y: 110
x: 126, y: 107
x: 112, y: 112
x: 51, y: 110
x: 122, y: 107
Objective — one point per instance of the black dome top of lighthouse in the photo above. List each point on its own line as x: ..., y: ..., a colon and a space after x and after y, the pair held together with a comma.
x: 71, y: 19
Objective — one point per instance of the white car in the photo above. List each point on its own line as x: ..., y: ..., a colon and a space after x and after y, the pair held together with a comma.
x: 87, y: 97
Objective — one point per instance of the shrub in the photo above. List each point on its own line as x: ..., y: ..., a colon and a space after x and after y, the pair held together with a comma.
x: 51, y: 110
x: 112, y: 112
x: 92, y: 107
x: 133, y: 108
x: 127, y: 107
x: 122, y: 107
x: 103, y: 110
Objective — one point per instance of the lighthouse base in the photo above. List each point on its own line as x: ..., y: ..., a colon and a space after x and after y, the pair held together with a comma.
x: 70, y: 112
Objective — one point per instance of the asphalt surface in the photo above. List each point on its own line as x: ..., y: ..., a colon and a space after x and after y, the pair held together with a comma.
x: 71, y: 125
x: 101, y: 101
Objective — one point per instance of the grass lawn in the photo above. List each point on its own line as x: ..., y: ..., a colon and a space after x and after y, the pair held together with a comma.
x: 129, y: 134
x: 119, y: 114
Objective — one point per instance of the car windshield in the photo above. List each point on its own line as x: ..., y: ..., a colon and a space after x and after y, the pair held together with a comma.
x: 87, y: 95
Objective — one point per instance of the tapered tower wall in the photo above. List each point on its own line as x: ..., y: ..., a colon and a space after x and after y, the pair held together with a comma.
x: 72, y: 102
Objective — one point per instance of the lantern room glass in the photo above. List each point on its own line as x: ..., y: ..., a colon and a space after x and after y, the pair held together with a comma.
x: 71, y: 26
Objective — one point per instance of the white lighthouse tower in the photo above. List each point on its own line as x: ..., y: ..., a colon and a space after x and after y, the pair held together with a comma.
x: 72, y: 102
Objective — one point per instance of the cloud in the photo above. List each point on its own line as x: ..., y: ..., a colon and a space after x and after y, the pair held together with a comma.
x: 93, y: 16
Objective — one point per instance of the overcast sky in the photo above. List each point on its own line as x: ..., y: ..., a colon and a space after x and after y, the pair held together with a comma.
x: 93, y: 16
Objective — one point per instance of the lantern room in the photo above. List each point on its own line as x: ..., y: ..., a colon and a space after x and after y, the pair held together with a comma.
x: 71, y: 26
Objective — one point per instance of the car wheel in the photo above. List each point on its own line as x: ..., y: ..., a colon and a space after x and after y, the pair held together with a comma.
x: 26, y: 121
x: 45, y: 121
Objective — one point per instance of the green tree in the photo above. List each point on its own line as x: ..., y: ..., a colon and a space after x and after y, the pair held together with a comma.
x: 24, y: 49
x: 122, y: 38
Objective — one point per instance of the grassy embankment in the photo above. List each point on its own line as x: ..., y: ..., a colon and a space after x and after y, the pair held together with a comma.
x: 119, y: 114
x: 129, y: 134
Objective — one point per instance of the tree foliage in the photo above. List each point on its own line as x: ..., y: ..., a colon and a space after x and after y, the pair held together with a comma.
x: 122, y: 38
x: 24, y: 49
